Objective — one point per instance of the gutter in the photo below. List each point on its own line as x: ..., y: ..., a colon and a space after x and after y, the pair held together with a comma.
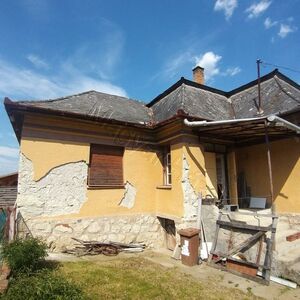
x: 223, y: 122
x: 271, y: 118
x: 279, y: 121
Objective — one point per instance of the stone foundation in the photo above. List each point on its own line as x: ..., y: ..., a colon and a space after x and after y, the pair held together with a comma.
x: 136, y: 228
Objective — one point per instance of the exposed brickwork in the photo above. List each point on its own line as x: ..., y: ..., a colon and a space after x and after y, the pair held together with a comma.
x: 293, y: 237
x: 4, y: 275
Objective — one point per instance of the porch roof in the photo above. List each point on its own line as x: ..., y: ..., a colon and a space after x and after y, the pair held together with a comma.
x: 242, y: 132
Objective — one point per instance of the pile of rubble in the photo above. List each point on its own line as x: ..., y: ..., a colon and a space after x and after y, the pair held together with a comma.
x: 111, y: 248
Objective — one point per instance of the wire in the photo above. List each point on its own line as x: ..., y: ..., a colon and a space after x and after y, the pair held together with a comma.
x: 281, y: 67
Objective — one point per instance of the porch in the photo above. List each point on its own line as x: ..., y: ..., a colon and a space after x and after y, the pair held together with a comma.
x: 252, y: 163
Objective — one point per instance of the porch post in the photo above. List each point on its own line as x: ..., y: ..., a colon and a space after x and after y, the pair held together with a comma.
x: 273, y: 206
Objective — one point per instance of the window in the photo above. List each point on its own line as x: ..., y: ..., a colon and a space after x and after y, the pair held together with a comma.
x: 167, y: 167
x: 106, y: 165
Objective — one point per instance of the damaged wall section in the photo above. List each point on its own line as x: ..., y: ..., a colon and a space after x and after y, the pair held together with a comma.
x: 61, y: 191
x: 190, y: 198
x: 128, y: 199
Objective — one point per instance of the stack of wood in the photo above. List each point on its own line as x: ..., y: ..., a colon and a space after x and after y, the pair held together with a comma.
x: 110, y: 248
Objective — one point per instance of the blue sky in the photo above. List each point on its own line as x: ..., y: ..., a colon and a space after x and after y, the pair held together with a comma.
x: 136, y: 48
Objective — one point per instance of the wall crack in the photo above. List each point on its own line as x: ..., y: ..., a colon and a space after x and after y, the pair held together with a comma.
x: 128, y: 199
x: 190, y: 198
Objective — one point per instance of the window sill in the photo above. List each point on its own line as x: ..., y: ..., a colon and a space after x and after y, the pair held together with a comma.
x: 164, y: 187
x: 105, y: 187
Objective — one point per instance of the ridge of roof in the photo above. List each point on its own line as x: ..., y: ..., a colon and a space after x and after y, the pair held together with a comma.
x: 54, y: 99
x: 227, y: 94
x: 166, y: 92
x: 188, y: 82
x: 266, y: 77
x: 9, y: 174
x: 51, y: 100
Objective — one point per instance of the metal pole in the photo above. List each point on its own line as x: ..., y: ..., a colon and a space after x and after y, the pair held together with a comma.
x: 199, y: 211
x: 273, y: 208
x: 260, y: 110
x: 199, y: 221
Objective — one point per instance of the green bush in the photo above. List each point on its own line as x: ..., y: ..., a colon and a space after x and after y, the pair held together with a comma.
x: 24, y: 255
x: 43, y: 285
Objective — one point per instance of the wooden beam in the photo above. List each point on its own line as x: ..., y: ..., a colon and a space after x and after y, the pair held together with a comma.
x: 243, y: 246
x: 243, y: 226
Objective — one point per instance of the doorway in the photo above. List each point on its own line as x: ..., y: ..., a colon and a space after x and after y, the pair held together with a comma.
x: 170, y: 232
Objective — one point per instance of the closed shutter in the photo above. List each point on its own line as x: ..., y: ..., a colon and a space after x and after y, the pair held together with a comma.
x: 106, y: 166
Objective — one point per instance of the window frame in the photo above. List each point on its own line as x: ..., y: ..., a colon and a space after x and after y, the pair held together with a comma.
x: 167, y: 167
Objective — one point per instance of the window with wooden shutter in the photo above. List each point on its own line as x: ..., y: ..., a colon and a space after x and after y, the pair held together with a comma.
x: 106, y: 165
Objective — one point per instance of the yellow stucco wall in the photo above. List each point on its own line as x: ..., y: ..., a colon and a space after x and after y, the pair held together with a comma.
x: 196, y: 159
x: 169, y: 201
x: 47, y: 154
x: 211, y: 174
x: 142, y: 168
x: 286, y: 172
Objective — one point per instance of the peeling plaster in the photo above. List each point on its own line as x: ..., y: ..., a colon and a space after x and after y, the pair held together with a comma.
x: 190, y: 198
x: 61, y: 191
x: 128, y: 199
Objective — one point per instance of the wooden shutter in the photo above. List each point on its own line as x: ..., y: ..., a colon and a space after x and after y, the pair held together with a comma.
x: 106, y: 165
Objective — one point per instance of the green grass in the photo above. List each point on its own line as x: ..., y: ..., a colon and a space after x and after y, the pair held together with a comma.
x: 138, y: 278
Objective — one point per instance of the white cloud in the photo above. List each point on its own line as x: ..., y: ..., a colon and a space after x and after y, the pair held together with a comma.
x: 256, y: 9
x: 175, y: 64
x: 23, y: 83
x: 228, y: 6
x: 101, y: 57
x: 209, y: 61
x: 8, y: 165
x: 9, y: 157
x: 91, y: 67
x: 9, y: 151
x: 268, y: 23
x: 232, y: 71
x: 37, y: 61
x: 285, y: 29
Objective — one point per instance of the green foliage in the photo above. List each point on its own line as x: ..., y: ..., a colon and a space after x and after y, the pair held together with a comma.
x: 43, y: 285
x: 24, y: 255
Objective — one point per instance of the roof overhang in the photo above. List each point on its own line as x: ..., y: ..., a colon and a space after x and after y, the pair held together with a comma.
x: 242, y: 132
x: 16, y: 113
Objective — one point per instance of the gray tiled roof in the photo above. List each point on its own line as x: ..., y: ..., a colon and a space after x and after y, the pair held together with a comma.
x: 193, y: 101
x: 279, y: 94
x: 97, y: 104
x: 8, y: 195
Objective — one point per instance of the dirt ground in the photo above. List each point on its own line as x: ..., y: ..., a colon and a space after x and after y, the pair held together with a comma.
x: 202, y: 272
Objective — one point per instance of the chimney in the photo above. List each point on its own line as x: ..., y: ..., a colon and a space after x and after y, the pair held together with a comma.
x: 198, y: 75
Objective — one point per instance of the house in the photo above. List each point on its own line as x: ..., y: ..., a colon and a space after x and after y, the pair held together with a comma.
x: 8, y: 189
x: 8, y: 197
x: 103, y: 167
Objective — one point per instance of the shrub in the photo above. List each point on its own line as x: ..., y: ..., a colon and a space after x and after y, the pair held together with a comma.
x: 24, y: 255
x: 43, y: 285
